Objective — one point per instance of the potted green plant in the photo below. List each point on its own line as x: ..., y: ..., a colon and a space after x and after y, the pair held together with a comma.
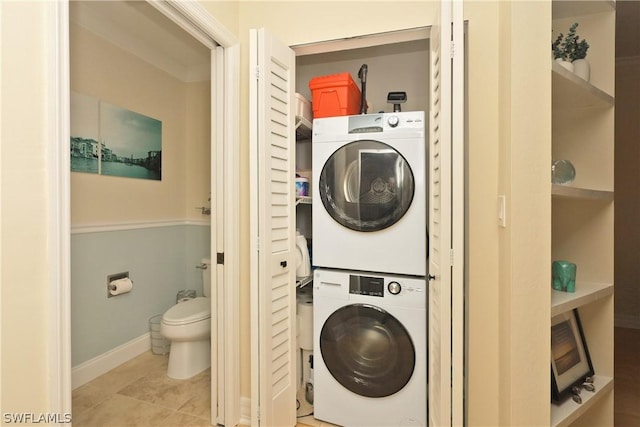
x: 580, y: 64
x: 571, y: 52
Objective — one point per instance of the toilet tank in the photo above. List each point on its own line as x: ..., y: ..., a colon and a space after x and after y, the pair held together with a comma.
x: 206, y: 277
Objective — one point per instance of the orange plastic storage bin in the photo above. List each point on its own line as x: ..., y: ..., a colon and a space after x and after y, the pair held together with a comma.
x: 334, y: 95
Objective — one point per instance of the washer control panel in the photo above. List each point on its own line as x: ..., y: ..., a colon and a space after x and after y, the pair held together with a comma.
x: 366, y: 285
x: 379, y: 286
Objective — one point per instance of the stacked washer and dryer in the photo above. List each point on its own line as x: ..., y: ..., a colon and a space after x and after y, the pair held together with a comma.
x: 370, y: 258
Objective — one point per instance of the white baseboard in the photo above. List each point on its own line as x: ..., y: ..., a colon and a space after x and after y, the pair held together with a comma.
x: 91, y: 369
x: 627, y: 321
x: 245, y: 411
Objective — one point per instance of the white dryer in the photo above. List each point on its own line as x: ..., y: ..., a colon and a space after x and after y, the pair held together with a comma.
x: 370, y: 349
x: 370, y: 193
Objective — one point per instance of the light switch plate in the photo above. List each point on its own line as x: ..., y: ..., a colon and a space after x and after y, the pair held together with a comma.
x: 502, y: 211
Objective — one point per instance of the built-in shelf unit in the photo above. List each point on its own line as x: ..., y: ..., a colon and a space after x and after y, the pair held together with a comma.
x: 582, y: 211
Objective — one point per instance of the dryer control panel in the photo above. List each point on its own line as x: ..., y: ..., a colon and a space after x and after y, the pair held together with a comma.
x: 385, y: 122
x: 409, y: 124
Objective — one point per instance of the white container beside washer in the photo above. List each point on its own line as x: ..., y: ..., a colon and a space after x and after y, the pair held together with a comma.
x: 303, y: 263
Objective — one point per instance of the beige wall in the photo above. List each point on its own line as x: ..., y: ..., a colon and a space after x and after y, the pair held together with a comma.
x: 525, y: 244
x: 25, y: 208
x: 498, y: 119
x: 506, y: 153
x: 483, y: 54
x: 298, y: 23
x: 106, y: 72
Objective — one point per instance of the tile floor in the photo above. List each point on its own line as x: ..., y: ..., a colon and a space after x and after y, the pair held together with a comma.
x: 138, y: 393
x: 626, y: 380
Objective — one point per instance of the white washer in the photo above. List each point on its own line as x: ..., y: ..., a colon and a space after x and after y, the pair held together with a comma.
x: 370, y: 349
x: 369, y: 192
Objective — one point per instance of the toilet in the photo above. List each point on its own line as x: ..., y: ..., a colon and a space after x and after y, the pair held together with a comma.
x: 188, y: 326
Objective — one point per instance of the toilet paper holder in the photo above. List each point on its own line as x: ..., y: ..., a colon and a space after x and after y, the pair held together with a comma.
x: 113, y: 277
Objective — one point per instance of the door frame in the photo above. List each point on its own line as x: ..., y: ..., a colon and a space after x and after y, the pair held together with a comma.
x: 225, y: 156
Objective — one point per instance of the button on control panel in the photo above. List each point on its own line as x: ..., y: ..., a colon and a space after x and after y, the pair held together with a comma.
x: 394, y: 288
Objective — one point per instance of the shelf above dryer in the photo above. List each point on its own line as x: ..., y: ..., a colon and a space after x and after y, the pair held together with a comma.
x: 304, y: 118
x: 303, y: 200
x: 304, y: 281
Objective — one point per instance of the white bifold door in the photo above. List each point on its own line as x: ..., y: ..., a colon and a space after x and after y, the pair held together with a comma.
x: 272, y: 234
x: 273, y: 226
x: 446, y: 218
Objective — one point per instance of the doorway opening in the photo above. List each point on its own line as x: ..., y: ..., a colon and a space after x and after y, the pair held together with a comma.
x: 224, y: 59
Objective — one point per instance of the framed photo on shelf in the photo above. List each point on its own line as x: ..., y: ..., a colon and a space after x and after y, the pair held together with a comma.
x: 570, y: 361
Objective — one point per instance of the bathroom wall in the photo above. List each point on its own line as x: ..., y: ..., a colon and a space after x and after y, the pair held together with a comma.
x: 159, y: 264
x: 151, y: 229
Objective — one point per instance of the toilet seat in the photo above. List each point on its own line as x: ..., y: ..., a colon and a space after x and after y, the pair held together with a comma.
x: 186, y: 312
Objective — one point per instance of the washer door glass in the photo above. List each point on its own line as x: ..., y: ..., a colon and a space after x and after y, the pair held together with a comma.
x: 366, y: 185
x: 367, y: 350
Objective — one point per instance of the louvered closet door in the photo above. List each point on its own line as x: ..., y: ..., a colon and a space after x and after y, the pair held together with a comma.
x: 440, y: 227
x: 272, y: 122
x: 446, y: 218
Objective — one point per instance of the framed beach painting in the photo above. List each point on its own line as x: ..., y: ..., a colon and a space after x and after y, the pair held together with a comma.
x: 570, y: 361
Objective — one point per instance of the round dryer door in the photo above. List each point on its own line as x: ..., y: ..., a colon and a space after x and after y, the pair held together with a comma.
x: 367, y: 350
x: 366, y: 185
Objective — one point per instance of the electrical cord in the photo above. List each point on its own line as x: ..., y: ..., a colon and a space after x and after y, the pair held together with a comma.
x: 298, y: 407
x: 308, y: 415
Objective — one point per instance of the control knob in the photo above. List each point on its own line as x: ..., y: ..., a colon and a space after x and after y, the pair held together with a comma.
x: 394, y: 288
x: 393, y: 121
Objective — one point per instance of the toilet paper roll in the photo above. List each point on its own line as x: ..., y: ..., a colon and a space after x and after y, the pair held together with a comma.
x: 120, y: 286
x: 305, y: 331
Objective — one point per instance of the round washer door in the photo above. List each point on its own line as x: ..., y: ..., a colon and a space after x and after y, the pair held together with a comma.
x: 366, y: 185
x: 367, y: 350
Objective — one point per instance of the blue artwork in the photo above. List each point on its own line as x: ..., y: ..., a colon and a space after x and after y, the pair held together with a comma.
x: 110, y: 140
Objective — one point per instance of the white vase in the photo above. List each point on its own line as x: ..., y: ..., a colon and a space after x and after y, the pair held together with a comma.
x: 582, y: 69
x: 566, y: 64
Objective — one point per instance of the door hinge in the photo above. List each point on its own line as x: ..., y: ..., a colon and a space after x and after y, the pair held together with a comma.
x: 257, y: 73
x: 220, y: 258
x: 452, y: 50
x: 451, y: 258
